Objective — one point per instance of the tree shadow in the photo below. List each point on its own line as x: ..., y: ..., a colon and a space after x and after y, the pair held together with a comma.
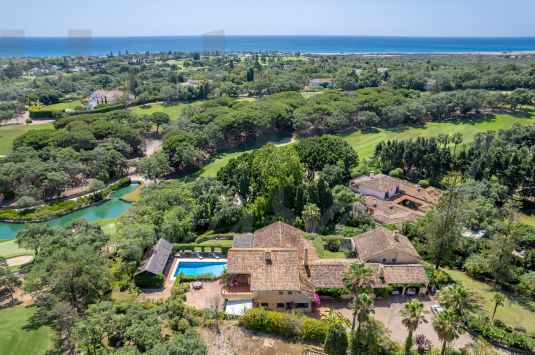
x: 37, y: 320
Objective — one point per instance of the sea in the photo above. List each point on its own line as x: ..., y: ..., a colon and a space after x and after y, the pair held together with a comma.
x: 100, y: 46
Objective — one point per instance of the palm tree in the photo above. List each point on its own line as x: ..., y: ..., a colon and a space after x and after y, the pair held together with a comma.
x: 457, y: 299
x: 366, y: 308
x: 357, y: 279
x: 499, y: 300
x: 448, y: 327
x: 456, y: 139
x: 413, y: 316
x: 444, y: 139
x: 311, y: 217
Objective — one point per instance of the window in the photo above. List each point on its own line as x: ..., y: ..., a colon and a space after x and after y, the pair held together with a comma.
x: 384, y: 260
x: 280, y: 305
x: 281, y: 293
x: 301, y: 305
x: 290, y: 293
x: 393, y: 260
x: 264, y: 305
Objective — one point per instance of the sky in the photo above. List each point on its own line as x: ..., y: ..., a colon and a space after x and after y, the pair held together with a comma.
x: 270, y: 17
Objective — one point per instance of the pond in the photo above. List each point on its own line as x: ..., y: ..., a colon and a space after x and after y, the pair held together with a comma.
x: 109, y: 209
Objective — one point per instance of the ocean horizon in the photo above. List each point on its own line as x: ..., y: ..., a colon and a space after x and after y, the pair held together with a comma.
x: 99, y: 46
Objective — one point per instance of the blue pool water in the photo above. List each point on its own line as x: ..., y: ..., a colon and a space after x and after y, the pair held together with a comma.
x: 195, y: 268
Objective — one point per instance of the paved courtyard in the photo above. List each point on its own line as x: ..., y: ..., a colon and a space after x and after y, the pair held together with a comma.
x: 388, y: 311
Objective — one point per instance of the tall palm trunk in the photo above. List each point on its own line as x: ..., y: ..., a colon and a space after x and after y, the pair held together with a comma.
x: 443, y: 351
x: 408, y: 343
x: 355, y: 311
x: 495, y: 308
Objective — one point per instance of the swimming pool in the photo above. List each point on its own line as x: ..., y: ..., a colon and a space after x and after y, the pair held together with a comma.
x: 199, y: 267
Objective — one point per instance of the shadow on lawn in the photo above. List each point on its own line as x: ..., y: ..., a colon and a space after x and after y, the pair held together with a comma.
x: 37, y: 320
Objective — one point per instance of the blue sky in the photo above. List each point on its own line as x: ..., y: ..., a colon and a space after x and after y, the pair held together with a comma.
x: 300, y: 17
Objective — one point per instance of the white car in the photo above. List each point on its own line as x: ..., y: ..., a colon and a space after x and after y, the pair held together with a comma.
x: 394, y: 293
x: 410, y: 292
x: 436, y: 309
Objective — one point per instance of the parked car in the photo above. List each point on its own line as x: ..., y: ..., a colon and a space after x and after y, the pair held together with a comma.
x: 410, y: 291
x: 436, y: 309
x: 394, y: 292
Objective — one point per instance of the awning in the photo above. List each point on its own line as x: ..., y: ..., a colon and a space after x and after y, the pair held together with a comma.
x: 238, y: 308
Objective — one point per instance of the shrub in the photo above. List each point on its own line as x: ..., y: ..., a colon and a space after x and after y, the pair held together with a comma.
x: 333, y: 292
x: 333, y: 245
x: 149, y: 280
x: 336, y: 340
x: 29, y: 120
x: 424, y: 184
x: 397, y: 173
x: 480, y: 324
x: 313, y: 330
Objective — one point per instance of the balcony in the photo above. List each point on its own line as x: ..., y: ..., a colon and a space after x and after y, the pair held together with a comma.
x: 235, y: 293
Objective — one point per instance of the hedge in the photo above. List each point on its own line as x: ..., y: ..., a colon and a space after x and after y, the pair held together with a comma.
x: 182, y: 247
x: 285, y: 324
x: 204, y: 238
x: 481, y: 324
x: 149, y: 280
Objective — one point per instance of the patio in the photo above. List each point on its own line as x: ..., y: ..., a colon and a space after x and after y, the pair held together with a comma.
x: 388, y: 311
x: 205, y: 297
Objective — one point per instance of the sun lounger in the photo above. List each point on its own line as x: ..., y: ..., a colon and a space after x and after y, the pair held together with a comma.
x: 214, y: 254
x: 198, y: 255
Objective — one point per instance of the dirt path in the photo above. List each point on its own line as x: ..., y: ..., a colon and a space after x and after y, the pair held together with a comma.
x: 19, y: 260
x: 234, y: 340
x: 153, y: 146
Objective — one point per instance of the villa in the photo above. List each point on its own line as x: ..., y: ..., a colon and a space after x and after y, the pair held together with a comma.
x: 393, y: 201
x: 100, y: 97
x: 278, y: 269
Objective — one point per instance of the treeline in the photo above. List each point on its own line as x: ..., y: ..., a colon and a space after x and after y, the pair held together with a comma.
x: 506, y: 156
x: 71, y: 280
x: 92, y: 147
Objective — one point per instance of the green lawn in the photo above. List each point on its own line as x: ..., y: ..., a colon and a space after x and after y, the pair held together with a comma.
x: 527, y: 219
x: 9, y: 133
x: 16, y: 337
x: 518, y: 311
x: 9, y: 249
x: 365, y: 142
x: 219, y: 243
x: 173, y: 110
x: 62, y: 106
x: 222, y: 159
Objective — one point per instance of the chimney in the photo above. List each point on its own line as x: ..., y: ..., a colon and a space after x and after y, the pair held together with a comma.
x: 374, y: 202
x: 306, y: 257
x: 372, y: 173
x: 390, y: 205
x: 396, y: 236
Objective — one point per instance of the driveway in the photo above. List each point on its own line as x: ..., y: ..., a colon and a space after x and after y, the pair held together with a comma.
x: 388, y: 311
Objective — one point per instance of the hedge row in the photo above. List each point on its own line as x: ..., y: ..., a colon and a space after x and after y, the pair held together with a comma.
x: 204, y: 238
x: 285, y: 324
x: 52, y: 210
x: 482, y: 325
x: 149, y: 280
x: 203, y: 248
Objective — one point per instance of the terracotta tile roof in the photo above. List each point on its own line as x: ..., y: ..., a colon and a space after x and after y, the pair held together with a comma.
x: 388, y: 212
x: 281, y: 273
x: 282, y: 235
x: 430, y: 194
x: 380, y: 240
x: 328, y: 273
x: 405, y: 274
x: 379, y: 182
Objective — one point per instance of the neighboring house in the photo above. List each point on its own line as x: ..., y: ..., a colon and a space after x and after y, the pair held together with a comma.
x: 155, y: 259
x: 278, y: 269
x: 106, y: 96
x: 393, y: 201
x: 321, y: 83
